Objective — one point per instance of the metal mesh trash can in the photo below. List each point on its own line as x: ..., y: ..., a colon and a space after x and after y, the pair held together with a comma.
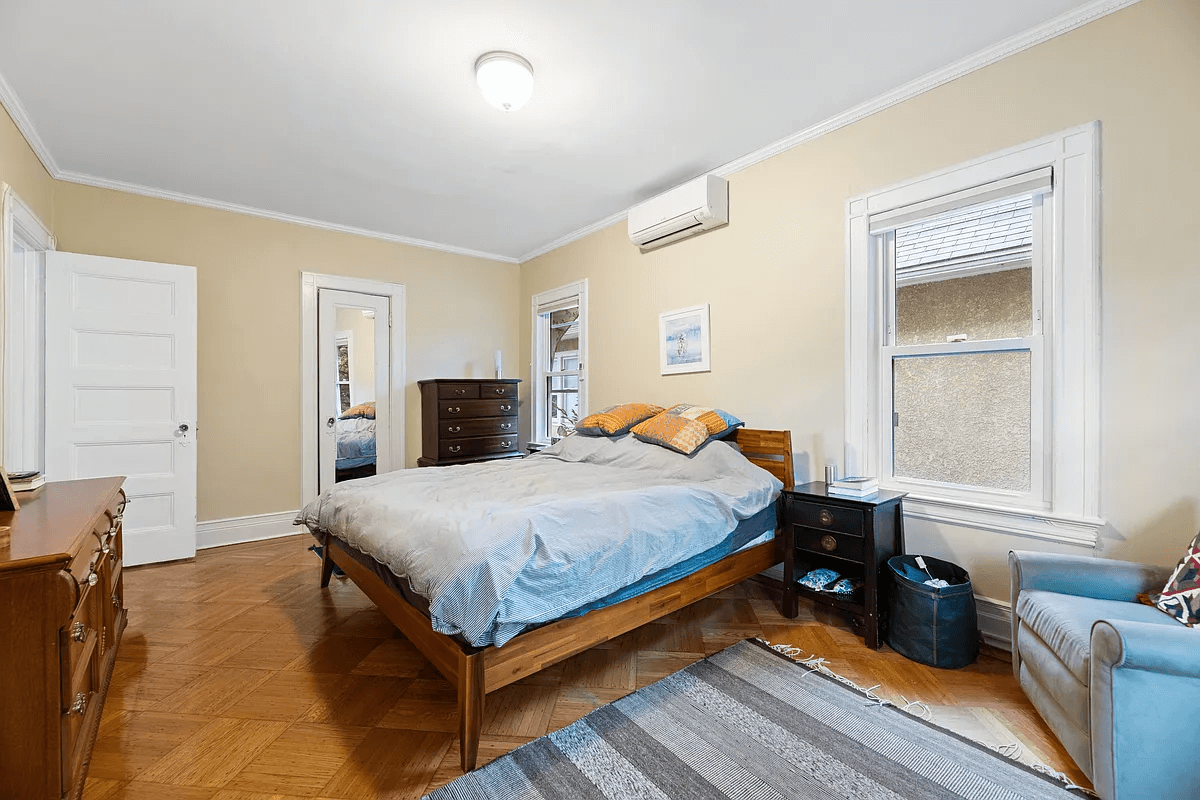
x: 928, y: 624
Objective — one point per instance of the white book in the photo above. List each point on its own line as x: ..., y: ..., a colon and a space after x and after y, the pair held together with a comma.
x: 855, y: 484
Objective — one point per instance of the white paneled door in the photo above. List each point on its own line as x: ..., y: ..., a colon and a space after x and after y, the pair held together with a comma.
x: 121, y: 391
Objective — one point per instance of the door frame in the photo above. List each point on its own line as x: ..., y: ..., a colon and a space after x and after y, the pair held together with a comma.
x: 310, y: 421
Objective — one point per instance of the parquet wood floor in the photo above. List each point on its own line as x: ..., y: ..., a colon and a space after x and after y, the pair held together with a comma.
x: 240, y: 679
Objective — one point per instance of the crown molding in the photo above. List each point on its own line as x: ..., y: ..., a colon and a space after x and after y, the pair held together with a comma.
x: 1048, y: 30
x: 221, y: 205
x: 20, y: 117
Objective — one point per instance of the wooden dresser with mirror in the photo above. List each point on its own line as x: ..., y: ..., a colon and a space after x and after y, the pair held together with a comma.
x: 62, y: 612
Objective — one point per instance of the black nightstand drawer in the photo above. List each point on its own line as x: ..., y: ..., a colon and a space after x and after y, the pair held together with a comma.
x: 823, y: 517
x: 842, y: 545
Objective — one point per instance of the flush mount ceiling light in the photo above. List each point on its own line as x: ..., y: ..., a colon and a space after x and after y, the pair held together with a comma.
x: 505, y: 79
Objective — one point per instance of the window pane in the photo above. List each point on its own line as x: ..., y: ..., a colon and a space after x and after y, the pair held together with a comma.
x: 564, y: 338
x: 963, y: 419
x: 562, y: 406
x: 344, y: 396
x: 966, y: 275
x: 343, y: 357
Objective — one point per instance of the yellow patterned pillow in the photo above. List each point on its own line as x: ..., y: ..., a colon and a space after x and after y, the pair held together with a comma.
x: 615, y: 420
x: 674, y: 432
x: 711, y: 417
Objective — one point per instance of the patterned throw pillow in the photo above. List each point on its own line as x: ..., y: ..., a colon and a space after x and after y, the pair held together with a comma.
x: 616, y: 420
x: 1181, y: 596
x: 719, y: 423
x: 366, y: 410
x: 673, y: 432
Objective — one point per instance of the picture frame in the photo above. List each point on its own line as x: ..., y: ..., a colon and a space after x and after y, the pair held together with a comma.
x: 683, y: 340
x: 8, y: 498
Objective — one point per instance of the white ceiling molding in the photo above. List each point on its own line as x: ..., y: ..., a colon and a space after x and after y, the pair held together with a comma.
x: 12, y: 104
x: 1064, y: 23
x: 179, y: 197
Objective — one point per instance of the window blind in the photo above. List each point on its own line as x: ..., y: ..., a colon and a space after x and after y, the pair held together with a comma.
x: 1039, y: 181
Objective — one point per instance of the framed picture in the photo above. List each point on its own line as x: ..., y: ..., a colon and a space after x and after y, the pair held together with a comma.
x: 683, y: 340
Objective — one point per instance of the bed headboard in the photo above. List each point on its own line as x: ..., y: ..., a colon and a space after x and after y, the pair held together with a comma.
x: 771, y: 450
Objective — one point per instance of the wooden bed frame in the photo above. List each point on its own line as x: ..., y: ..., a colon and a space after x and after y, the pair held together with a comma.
x: 477, y: 671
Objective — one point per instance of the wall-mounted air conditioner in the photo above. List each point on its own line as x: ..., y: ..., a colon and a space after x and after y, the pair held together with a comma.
x: 684, y: 211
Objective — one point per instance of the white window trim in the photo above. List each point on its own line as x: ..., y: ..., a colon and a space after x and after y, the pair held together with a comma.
x: 1071, y: 511
x: 23, y: 336
x: 537, y: 369
x: 310, y: 282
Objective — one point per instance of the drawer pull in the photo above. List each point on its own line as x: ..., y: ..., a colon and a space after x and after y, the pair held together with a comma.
x: 505, y: 443
x: 460, y: 391
x: 116, y: 602
x: 826, y: 517
x: 455, y: 448
x: 505, y: 426
x: 828, y: 543
x: 79, y: 706
x: 454, y: 428
x: 93, y: 579
x: 499, y: 390
x: 453, y: 409
x: 506, y: 407
x: 79, y: 632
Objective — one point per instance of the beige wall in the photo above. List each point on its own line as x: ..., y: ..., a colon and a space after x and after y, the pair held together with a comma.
x: 21, y: 169
x: 459, y: 311
x: 775, y: 277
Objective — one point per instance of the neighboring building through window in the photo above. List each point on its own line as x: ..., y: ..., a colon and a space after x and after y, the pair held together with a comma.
x: 559, y: 336
x: 973, y: 351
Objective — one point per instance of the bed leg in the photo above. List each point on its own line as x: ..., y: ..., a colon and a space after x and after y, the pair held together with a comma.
x: 327, y: 565
x: 471, y: 694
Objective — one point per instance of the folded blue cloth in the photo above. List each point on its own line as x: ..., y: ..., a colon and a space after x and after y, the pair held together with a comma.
x: 845, y: 586
x: 818, y: 579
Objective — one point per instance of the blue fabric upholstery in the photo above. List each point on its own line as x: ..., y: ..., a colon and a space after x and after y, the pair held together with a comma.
x: 1118, y: 682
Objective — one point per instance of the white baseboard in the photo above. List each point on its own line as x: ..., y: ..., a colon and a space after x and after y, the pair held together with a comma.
x: 236, y: 530
x: 995, y: 622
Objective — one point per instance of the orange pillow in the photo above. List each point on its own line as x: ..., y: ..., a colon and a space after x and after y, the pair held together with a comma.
x: 366, y: 410
x: 615, y: 420
x: 673, y: 432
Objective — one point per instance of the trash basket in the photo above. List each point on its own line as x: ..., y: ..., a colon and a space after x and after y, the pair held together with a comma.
x: 931, y: 625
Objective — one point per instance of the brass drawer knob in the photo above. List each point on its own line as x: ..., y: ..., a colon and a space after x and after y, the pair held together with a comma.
x: 79, y: 706
x: 116, y: 602
x: 828, y: 543
x: 93, y: 579
x: 826, y: 517
x: 79, y: 632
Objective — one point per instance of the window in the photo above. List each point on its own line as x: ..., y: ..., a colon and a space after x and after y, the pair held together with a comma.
x: 342, y: 338
x: 559, y: 348
x: 973, y: 374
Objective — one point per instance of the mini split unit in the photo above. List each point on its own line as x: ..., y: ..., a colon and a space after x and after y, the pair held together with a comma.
x: 684, y: 211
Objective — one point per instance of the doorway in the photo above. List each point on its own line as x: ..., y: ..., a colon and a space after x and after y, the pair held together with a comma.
x: 352, y: 404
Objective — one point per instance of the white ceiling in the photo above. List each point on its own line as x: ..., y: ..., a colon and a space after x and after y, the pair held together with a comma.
x: 365, y: 114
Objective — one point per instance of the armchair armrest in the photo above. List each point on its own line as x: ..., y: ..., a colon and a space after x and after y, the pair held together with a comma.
x: 1083, y: 576
x: 1145, y: 686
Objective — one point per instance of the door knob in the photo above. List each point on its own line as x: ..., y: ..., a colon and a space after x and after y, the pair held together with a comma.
x: 329, y: 422
x: 183, y: 427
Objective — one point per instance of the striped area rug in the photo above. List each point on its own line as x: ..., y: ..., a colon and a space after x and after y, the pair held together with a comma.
x: 751, y: 723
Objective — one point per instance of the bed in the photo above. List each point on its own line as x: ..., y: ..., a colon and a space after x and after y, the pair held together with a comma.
x: 484, y: 624
x: 355, y: 434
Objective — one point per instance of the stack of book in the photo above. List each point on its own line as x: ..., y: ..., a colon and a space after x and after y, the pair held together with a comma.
x: 26, y: 481
x: 854, y: 487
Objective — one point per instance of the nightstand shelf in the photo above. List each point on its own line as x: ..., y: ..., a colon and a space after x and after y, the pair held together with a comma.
x: 854, y: 537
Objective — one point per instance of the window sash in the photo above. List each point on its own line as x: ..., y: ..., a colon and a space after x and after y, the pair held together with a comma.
x: 1038, y: 497
x: 544, y: 304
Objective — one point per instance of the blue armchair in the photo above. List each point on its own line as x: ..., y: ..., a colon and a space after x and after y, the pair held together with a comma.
x: 1118, y: 682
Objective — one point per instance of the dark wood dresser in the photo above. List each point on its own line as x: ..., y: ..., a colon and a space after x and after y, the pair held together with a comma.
x: 62, y: 609
x: 465, y: 420
x: 854, y: 538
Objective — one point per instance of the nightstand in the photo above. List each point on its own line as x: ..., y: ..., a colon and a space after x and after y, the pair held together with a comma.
x: 852, y: 537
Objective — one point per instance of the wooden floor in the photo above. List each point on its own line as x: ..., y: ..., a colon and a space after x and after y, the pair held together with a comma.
x: 240, y: 679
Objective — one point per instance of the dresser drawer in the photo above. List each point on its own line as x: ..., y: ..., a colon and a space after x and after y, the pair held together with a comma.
x: 462, y: 448
x: 494, y: 390
x: 823, y: 517
x: 80, y: 640
x: 451, y: 409
x: 458, y: 391
x: 833, y: 543
x: 83, y: 565
x: 484, y: 426
x: 79, y: 719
